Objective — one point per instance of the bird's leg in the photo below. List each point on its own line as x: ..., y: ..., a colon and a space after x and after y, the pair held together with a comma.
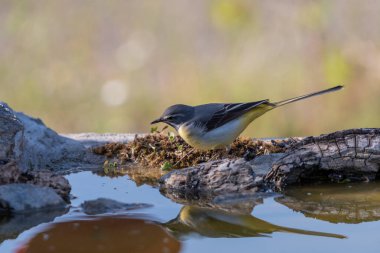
x: 228, y: 149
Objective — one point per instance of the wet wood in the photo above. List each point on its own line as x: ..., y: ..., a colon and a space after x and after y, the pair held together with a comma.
x: 221, y: 177
x: 343, y: 156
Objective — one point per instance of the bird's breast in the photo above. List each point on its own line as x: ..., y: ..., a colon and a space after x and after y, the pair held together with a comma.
x: 215, y: 138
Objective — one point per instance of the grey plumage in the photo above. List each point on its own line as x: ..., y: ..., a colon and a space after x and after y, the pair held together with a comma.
x: 218, y: 124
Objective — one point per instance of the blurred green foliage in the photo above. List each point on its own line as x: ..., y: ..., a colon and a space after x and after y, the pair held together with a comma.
x: 337, y: 67
x: 114, y: 66
x: 230, y: 15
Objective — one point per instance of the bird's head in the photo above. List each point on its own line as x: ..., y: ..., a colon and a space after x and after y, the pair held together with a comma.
x: 176, y: 115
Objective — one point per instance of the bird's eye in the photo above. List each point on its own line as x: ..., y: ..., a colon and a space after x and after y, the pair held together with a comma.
x: 173, y: 116
x: 169, y: 117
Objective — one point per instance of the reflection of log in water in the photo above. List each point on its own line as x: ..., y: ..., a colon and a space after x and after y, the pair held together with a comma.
x: 352, y: 203
x: 216, y: 223
x: 231, y: 203
x: 139, y: 174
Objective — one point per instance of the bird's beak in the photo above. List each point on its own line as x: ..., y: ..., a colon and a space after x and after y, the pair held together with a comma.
x: 156, y: 121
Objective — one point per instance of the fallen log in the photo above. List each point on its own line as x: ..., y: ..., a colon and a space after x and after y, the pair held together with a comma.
x: 343, y: 156
x: 220, y: 177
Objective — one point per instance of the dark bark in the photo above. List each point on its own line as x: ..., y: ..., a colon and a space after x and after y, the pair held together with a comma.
x: 343, y: 156
x: 208, y: 180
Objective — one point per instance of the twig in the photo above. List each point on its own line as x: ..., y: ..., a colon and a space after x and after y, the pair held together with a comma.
x: 183, y: 157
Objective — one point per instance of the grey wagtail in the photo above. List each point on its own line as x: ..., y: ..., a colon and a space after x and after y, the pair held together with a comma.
x: 217, y: 125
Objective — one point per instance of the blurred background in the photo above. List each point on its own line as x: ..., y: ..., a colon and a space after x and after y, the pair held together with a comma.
x: 113, y: 66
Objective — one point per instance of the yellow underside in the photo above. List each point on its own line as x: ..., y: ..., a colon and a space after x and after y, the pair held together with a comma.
x: 197, y: 139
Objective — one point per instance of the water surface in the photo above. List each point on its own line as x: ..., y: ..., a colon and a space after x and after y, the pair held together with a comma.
x: 320, y: 218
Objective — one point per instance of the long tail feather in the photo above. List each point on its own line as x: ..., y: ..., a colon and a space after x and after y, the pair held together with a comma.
x: 291, y: 100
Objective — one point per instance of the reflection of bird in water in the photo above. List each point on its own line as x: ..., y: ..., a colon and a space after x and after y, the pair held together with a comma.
x: 216, y: 223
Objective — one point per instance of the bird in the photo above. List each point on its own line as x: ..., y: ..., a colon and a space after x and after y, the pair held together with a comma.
x: 217, y: 223
x: 217, y: 125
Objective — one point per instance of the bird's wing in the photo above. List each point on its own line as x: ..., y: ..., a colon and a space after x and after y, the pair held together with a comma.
x: 228, y: 112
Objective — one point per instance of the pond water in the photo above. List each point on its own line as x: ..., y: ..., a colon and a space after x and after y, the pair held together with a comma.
x: 335, y: 218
